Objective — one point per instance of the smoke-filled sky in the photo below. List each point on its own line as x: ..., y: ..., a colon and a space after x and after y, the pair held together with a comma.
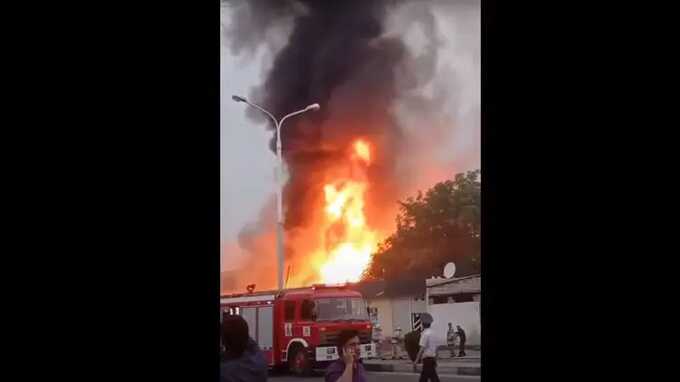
x: 436, y: 102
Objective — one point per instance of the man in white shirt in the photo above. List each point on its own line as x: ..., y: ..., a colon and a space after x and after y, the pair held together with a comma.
x: 428, y: 351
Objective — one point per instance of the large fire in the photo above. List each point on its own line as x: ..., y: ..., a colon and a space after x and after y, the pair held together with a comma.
x: 348, y: 242
x: 371, y: 144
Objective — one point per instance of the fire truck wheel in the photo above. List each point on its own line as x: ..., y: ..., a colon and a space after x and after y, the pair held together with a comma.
x: 299, y: 362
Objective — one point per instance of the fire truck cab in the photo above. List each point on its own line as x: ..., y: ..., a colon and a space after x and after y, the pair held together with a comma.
x: 299, y: 328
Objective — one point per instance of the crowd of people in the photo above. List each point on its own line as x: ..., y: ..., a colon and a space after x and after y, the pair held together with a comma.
x: 243, y: 361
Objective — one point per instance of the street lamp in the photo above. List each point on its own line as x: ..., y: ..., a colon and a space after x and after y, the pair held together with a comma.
x: 279, y: 176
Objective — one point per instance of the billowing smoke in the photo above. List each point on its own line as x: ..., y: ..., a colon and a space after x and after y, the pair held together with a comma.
x: 354, y: 58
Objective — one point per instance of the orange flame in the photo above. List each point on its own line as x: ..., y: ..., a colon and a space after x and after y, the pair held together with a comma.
x: 349, y: 243
x: 362, y: 150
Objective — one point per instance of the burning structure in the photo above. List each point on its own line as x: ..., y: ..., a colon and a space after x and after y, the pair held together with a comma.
x: 377, y: 137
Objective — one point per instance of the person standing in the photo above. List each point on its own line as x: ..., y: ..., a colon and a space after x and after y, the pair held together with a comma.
x: 396, y: 338
x: 348, y: 368
x: 377, y: 339
x: 461, y: 345
x: 427, y: 352
x: 451, y: 340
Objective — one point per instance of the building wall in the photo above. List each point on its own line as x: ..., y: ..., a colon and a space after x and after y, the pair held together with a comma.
x: 384, y: 314
x: 396, y: 312
x: 402, y: 309
x: 401, y: 314
x: 419, y: 306
x: 465, y: 314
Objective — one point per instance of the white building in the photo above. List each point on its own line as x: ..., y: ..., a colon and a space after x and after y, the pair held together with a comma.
x: 393, y: 303
x: 455, y: 300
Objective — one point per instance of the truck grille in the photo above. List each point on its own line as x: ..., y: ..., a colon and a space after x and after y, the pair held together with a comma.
x: 331, y: 337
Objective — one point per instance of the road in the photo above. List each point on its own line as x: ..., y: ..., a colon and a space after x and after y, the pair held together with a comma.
x: 378, y: 377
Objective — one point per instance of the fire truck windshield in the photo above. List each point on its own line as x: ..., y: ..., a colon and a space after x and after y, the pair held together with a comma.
x: 341, y: 308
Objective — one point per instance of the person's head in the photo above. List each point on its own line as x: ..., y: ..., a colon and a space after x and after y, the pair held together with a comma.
x: 426, y: 319
x: 449, y: 325
x: 348, y: 339
x: 458, y: 327
x: 234, y: 335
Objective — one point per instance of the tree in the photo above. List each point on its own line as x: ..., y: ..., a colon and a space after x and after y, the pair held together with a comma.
x: 440, y: 226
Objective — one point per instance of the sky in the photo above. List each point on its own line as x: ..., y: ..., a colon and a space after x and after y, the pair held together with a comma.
x: 248, y: 166
x: 246, y: 163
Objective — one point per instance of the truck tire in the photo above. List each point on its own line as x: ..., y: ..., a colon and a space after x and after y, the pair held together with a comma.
x: 299, y: 362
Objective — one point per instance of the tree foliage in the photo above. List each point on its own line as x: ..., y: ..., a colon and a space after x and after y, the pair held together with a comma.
x: 434, y: 228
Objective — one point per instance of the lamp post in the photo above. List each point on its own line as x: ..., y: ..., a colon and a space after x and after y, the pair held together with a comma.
x: 279, y: 177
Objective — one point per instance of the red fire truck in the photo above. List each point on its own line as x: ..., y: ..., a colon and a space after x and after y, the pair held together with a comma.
x: 298, y: 328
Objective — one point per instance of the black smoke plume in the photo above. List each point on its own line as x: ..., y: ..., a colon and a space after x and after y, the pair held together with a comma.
x: 340, y: 55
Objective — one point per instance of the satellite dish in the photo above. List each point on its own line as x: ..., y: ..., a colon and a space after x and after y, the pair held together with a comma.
x: 449, y: 270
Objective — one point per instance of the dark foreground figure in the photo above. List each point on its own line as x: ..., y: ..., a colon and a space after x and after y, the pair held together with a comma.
x: 242, y: 360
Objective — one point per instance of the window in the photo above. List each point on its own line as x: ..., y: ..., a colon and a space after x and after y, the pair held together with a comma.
x: 289, y: 310
x: 342, y: 308
x: 308, y: 310
x: 467, y: 297
x: 452, y: 298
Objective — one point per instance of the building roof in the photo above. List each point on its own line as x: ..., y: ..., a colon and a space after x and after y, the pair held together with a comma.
x: 437, y: 281
x: 392, y: 288
x: 370, y: 289
x: 468, y: 284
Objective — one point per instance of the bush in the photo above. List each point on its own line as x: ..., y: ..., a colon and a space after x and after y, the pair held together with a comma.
x: 412, y: 344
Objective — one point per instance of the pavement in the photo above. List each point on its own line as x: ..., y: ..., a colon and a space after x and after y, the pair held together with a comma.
x: 377, y: 377
x: 468, y: 365
x: 450, y: 369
